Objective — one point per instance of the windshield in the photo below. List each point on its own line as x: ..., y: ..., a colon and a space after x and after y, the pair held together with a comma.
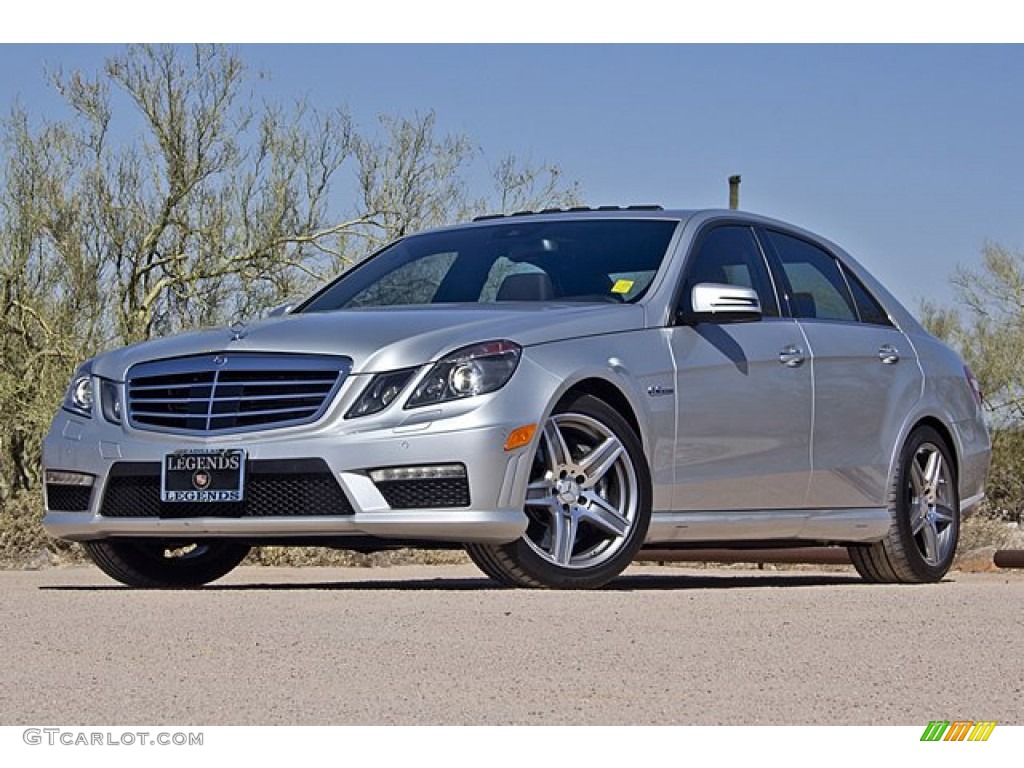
x: 601, y: 260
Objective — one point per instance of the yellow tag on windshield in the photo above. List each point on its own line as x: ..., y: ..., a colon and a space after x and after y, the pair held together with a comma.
x: 622, y: 286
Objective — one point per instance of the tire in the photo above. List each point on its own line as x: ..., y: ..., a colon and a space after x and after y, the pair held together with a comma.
x: 483, y: 558
x: 156, y: 563
x: 588, y: 502
x: 924, y: 501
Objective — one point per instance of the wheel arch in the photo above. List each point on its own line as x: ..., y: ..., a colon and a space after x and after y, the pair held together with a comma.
x: 947, y: 435
x: 611, y: 394
x: 945, y: 432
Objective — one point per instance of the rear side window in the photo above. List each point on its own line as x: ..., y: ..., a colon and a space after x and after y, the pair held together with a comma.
x: 818, y: 288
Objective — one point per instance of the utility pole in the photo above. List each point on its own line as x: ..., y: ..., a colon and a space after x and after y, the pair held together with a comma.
x: 734, y: 192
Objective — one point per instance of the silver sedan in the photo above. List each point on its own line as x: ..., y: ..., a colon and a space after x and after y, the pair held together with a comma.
x: 551, y: 391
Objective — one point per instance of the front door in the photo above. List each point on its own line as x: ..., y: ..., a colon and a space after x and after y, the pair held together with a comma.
x: 743, y: 391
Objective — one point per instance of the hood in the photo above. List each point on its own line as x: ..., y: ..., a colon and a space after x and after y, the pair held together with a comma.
x: 385, y: 338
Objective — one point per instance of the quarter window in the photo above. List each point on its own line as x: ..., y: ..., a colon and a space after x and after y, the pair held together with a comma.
x: 868, y: 307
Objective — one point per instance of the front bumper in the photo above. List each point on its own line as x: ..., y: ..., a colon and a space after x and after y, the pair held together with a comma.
x: 497, y: 527
x: 496, y: 479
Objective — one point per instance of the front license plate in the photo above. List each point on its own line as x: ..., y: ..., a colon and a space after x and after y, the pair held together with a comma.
x: 203, y: 475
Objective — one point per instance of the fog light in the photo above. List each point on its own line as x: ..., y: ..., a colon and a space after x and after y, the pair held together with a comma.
x: 59, y: 477
x: 428, y: 472
x: 520, y: 436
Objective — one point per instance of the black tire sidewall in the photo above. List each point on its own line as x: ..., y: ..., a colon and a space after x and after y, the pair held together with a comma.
x: 137, y: 562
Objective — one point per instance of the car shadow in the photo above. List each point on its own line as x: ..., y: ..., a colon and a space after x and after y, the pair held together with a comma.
x: 627, y: 583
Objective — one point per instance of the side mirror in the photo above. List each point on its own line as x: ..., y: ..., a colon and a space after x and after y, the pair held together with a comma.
x: 718, y: 303
x: 282, y: 309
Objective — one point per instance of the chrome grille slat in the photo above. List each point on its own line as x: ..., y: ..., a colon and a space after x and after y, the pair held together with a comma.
x: 247, y: 398
x: 264, y: 412
x: 142, y: 402
x: 247, y: 415
x: 225, y: 392
x: 276, y: 383
x: 137, y: 411
x: 164, y: 387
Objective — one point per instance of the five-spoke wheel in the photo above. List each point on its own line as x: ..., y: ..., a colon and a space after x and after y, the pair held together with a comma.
x: 588, y: 503
x: 584, y: 498
x: 925, y: 506
x: 931, y: 500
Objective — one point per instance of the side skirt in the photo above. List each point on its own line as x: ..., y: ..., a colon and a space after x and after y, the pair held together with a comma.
x: 822, y: 525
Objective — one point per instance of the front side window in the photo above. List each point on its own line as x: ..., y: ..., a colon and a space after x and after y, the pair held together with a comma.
x: 818, y: 289
x: 583, y: 260
x: 730, y: 255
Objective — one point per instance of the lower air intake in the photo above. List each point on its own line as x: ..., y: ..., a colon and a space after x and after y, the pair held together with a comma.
x: 287, y: 488
x: 425, y: 494
x: 68, y: 498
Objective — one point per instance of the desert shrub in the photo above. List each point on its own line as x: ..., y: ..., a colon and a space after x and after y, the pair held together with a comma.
x: 23, y: 542
x: 301, y: 556
x: 980, y: 531
x: 1005, y: 492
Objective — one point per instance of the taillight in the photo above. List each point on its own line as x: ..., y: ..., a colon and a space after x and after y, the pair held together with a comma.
x: 975, y: 386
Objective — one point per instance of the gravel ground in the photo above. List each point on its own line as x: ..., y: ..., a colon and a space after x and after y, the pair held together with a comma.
x: 443, y: 645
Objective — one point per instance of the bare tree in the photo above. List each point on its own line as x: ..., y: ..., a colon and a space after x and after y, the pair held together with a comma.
x: 51, y: 303
x: 410, y: 177
x: 209, y: 206
x: 522, y: 186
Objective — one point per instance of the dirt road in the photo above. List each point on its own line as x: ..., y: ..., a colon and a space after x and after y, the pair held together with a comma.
x: 442, y: 645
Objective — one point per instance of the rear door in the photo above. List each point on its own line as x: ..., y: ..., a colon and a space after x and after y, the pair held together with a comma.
x: 866, y: 375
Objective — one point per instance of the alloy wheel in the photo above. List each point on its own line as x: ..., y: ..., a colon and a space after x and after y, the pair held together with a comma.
x: 931, y: 498
x: 583, y: 495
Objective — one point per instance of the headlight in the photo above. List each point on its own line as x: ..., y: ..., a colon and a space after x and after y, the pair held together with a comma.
x: 78, y: 398
x: 380, y: 393
x: 467, y: 372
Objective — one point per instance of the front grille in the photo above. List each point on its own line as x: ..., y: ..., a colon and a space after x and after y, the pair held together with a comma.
x: 232, y: 392
x: 272, y: 489
x: 426, y: 493
x: 68, y: 498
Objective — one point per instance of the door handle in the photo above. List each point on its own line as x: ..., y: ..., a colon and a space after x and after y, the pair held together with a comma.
x: 791, y: 356
x: 888, y: 354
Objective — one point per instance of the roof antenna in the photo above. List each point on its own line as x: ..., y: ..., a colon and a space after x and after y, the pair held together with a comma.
x: 734, y: 192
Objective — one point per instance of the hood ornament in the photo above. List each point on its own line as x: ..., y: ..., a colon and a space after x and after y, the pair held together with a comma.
x: 238, y: 330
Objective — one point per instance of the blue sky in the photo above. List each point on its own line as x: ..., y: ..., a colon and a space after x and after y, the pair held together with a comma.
x: 910, y: 157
